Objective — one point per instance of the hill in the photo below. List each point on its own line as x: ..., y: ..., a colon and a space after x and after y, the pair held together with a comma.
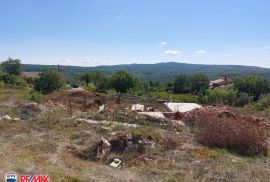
x: 164, y: 72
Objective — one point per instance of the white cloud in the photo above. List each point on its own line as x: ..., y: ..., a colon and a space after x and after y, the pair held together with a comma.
x: 201, y: 51
x: 172, y: 52
x: 163, y: 44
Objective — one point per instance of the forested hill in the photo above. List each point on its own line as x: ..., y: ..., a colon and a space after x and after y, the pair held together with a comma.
x: 163, y: 71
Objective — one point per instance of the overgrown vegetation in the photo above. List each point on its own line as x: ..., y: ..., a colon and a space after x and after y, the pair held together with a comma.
x: 225, y: 129
x: 49, y: 80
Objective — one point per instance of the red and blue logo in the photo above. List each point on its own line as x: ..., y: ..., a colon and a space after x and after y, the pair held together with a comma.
x: 34, y: 178
x: 11, y: 177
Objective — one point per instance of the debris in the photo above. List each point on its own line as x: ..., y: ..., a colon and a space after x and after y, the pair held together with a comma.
x: 137, y: 107
x: 181, y: 107
x: 106, y: 128
x: 101, y: 108
x: 102, y: 147
x: 8, y: 118
x: 150, y: 109
x: 113, y: 123
x: 50, y: 103
x: 154, y: 114
x: 179, y: 122
x: 105, y: 141
x: 116, y: 163
x: 77, y: 89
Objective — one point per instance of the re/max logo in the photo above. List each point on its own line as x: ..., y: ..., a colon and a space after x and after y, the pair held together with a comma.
x: 34, y: 178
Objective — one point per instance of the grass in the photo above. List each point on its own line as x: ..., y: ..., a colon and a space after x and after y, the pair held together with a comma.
x: 30, y: 147
x: 174, y: 97
x: 204, y: 153
x: 148, y: 132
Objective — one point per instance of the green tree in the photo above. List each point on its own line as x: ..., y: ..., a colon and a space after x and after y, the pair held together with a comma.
x: 49, y: 80
x: 94, y: 77
x: 180, y: 84
x: 140, y: 88
x: 253, y: 86
x: 121, y: 81
x: 198, y: 83
x: 12, y: 66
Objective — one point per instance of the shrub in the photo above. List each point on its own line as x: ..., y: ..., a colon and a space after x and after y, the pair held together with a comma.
x: 49, y: 80
x: 174, y: 97
x: 90, y: 87
x: 140, y: 88
x: 260, y: 105
x: 12, y: 80
x: 241, y: 100
x: 265, y: 101
x: 169, y: 143
x: 146, y: 132
x: 222, y: 128
x: 36, y: 96
x: 219, y: 96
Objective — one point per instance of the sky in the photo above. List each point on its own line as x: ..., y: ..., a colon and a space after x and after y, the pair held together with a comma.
x: 110, y: 32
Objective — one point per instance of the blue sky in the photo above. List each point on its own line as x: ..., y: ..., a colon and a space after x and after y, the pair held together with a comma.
x: 99, y: 32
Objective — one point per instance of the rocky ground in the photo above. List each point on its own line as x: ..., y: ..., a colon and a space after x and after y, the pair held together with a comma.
x: 63, y: 137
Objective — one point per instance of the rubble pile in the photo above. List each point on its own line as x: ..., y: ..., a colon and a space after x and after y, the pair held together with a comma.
x: 120, y: 143
x: 221, y: 127
x: 131, y: 117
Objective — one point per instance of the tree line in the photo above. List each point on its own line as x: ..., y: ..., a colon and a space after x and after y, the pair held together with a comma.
x: 244, y: 90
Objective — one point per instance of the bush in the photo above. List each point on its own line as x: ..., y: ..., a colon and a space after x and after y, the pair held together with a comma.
x: 260, y: 105
x: 49, y: 80
x: 174, y: 97
x: 241, y: 100
x: 90, y: 87
x: 36, y: 96
x: 219, y: 96
x: 140, y: 89
x: 146, y: 132
x: 12, y: 80
x: 223, y: 128
x: 265, y: 101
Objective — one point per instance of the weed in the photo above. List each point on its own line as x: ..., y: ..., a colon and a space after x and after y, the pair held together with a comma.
x: 148, y: 132
x: 179, y: 128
